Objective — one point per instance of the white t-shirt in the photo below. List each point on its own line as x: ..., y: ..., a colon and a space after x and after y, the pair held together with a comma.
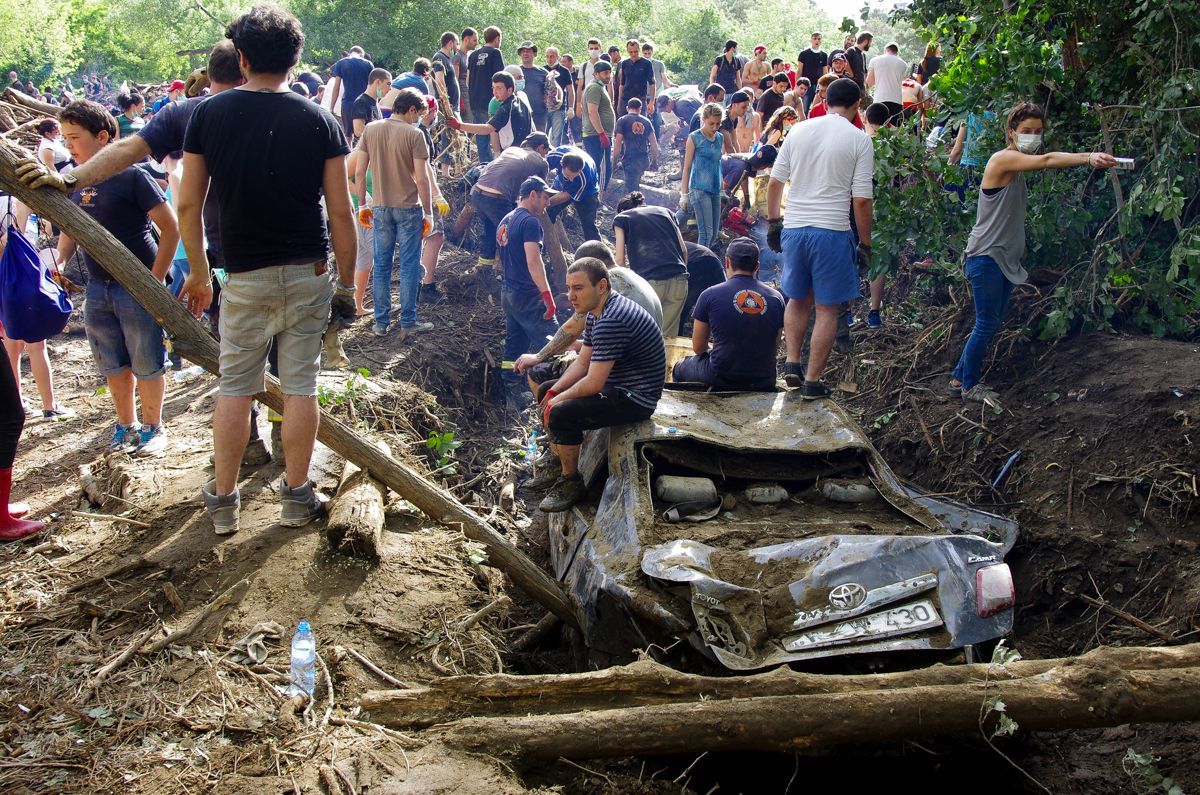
x: 889, y: 71
x: 827, y: 160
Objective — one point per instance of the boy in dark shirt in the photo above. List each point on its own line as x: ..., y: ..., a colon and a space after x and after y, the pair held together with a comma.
x: 743, y: 320
x: 482, y: 64
x: 635, y: 140
x: 126, y: 340
x: 366, y: 108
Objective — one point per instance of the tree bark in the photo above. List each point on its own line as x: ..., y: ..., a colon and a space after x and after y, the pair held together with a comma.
x: 1074, y: 694
x: 648, y: 683
x: 35, y: 105
x: 191, y: 340
x: 356, y: 514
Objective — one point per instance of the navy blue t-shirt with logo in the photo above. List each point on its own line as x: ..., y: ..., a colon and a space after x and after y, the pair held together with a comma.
x: 744, y: 317
x: 119, y: 204
x: 514, y: 231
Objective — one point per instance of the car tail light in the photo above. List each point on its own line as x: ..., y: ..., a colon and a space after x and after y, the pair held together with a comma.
x: 994, y: 590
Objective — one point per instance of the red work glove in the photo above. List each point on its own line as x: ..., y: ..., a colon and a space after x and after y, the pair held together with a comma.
x: 453, y: 123
x: 366, y: 217
x: 604, y: 139
x: 550, y: 393
x: 548, y: 300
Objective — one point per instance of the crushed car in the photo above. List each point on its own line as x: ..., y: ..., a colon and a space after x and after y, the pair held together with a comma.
x: 766, y: 529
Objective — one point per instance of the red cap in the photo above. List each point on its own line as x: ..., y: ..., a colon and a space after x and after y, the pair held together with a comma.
x: 760, y: 48
x: 177, y: 86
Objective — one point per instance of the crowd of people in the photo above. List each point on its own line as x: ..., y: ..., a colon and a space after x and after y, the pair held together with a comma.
x: 272, y: 216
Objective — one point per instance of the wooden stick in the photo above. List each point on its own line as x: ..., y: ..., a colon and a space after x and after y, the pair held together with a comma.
x: 109, y: 517
x: 375, y: 669
x: 193, y: 625
x: 483, y: 613
x: 924, y: 427
x: 122, y: 658
x: 1100, y: 604
x: 534, y: 636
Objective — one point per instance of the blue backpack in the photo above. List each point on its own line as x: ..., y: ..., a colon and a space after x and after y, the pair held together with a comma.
x: 32, y: 305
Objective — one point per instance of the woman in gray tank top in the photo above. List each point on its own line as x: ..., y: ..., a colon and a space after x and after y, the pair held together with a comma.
x: 997, y: 243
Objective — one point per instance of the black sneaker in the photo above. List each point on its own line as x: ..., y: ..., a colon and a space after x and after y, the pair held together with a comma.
x: 565, y: 493
x: 430, y: 294
x: 815, y: 390
x: 793, y: 374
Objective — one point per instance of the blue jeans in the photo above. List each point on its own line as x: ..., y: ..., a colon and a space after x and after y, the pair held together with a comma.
x: 491, y: 210
x: 397, y: 227
x: 122, y: 335
x: 770, y: 263
x: 990, y: 290
x: 178, y: 272
x: 525, y: 327
x: 482, y: 142
x: 600, y: 154
x: 707, y: 208
x: 556, y: 123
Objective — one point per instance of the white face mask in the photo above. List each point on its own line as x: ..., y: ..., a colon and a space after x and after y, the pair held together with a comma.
x: 520, y: 85
x: 1029, y: 143
x: 594, y: 53
x: 816, y: 47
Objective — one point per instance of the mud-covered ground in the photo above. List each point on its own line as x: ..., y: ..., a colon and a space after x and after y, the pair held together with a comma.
x: 1104, y: 487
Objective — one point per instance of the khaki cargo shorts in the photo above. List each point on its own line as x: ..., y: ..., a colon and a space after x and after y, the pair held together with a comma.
x: 285, y: 303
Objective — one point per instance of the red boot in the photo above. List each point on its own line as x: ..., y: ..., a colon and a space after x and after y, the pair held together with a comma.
x: 12, y: 529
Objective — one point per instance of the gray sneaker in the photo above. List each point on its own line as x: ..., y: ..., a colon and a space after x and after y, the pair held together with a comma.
x: 223, y: 509
x: 300, y: 505
x: 379, y: 329
x: 982, y: 393
x: 416, y: 328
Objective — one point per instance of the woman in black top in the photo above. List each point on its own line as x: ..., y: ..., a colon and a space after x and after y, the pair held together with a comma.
x: 931, y: 63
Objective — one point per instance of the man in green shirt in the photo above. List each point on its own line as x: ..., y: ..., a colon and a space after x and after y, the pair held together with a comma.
x: 599, y: 121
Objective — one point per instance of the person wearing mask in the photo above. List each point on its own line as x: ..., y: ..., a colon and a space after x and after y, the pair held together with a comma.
x: 533, y: 81
x: 814, y: 62
x: 495, y: 193
x: 350, y: 76
x: 366, y: 107
x: 484, y: 63
x: 278, y: 208
x: 562, y: 99
x: 856, y: 59
x: 700, y: 185
x: 829, y: 166
x: 599, y: 120
x: 635, y: 147
x: 727, y: 69
x: 132, y: 107
x: 577, y: 183
x: 174, y: 94
x: 996, y: 246
x: 617, y: 379
x: 649, y: 242
x: 885, y: 75
x: 736, y: 328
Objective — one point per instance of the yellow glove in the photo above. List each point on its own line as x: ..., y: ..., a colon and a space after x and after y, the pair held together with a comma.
x: 442, y: 206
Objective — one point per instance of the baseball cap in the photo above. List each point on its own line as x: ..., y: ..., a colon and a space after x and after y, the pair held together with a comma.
x: 602, y: 66
x: 178, y: 85
x: 836, y: 54
x: 760, y: 48
x: 739, y: 96
x: 532, y: 184
x: 536, y: 139
x: 743, y: 252
x: 527, y: 45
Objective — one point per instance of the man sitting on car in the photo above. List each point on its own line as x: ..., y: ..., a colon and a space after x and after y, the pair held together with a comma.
x: 743, y: 320
x: 618, y: 377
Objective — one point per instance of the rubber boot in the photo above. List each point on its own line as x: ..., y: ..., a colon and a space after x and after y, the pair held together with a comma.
x: 11, y: 528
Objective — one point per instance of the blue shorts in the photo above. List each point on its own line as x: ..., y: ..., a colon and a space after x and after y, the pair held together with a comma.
x: 820, y: 261
x: 123, y: 336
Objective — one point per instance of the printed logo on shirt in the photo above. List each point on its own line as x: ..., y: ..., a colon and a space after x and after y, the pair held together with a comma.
x: 749, y: 302
x: 86, y: 196
x: 502, y: 235
x: 638, y: 128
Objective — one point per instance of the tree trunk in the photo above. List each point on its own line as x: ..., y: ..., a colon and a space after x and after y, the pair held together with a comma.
x: 193, y: 341
x: 35, y: 105
x: 648, y: 683
x: 1075, y: 694
x: 356, y: 513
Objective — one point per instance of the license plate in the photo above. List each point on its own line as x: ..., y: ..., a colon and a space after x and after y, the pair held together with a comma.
x: 894, y: 621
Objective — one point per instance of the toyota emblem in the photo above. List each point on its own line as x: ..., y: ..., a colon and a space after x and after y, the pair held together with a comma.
x: 847, y: 596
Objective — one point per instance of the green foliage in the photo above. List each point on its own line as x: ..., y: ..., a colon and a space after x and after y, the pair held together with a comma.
x: 1125, y: 245
x: 442, y: 447
x: 1145, y: 776
x: 348, y: 395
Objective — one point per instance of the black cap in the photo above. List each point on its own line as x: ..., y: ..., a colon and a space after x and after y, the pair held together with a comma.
x: 527, y: 45
x: 536, y: 139
x: 602, y: 66
x: 743, y: 253
x: 536, y: 183
x: 738, y: 96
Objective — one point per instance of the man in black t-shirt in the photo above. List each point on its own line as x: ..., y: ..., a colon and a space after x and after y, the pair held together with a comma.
x: 635, y: 142
x: 772, y: 100
x: 636, y: 78
x: 366, y: 108
x: 856, y: 57
x: 276, y: 251
x: 443, y: 67
x: 509, y: 125
x: 482, y: 65
x: 814, y: 62
x: 727, y: 69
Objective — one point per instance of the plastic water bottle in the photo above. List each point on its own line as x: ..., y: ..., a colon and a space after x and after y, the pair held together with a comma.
x: 187, y: 373
x: 531, y: 446
x: 304, y: 661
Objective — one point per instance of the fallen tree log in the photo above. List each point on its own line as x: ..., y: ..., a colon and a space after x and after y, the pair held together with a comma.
x: 355, y: 525
x: 34, y: 105
x: 193, y: 341
x: 1074, y: 695
x: 648, y: 683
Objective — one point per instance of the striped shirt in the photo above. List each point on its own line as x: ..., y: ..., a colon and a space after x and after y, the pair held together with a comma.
x: 627, y: 334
